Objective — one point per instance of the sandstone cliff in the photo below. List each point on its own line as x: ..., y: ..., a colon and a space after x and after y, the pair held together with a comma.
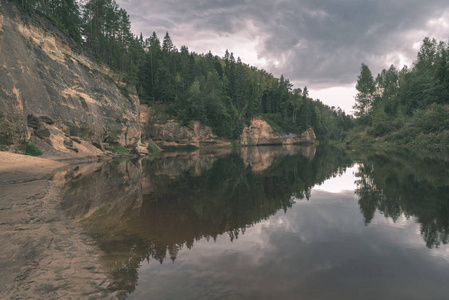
x: 156, y: 125
x: 52, y: 92
x: 163, y: 131
x: 174, y: 134
x: 259, y: 132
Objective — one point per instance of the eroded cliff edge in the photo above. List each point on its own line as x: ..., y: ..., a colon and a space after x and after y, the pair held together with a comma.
x: 51, y: 91
x: 165, y: 131
x: 259, y: 132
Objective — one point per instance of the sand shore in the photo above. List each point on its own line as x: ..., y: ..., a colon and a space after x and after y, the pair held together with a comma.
x: 44, y: 255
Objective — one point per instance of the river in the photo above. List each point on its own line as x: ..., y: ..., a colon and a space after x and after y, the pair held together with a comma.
x: 294, y: 222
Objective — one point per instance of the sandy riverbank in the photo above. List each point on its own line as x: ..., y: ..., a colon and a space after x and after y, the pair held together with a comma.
x: 16, y: 167
x: 44, y: 255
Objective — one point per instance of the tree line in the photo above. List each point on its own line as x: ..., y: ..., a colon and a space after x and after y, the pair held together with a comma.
x: 221, y: 92
x: 226, y: 94
x: 100, y: 26
x: 410, y: 105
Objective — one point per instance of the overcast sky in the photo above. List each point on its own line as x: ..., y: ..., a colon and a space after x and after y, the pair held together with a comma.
x: 320, y: 44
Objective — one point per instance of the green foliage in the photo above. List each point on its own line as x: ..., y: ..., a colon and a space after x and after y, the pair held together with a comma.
x: 426, y: 128
x: 153, y: 148
x: 409, y: 107
x: 359, y: 138
x: 32, y: 150
x: 365, y: 96
x: 435, y: 118
x: 226, y: 94
x: 275, y: 122
x: 381, y: 124
x: 64, y: 14
x: 124, y: 91
x: 117, y: 148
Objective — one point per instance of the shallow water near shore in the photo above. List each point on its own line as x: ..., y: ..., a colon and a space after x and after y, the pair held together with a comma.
x: 267, y: 223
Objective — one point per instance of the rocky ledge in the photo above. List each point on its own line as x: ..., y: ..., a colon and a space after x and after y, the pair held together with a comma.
x: 259, y: 132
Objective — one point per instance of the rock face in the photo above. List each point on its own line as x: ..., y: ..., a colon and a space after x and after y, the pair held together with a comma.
x: 171, y: 133
x: 259, y: 132
x: 144, y: 121
x: 45, y: 83
x: 156, y: 125
x: 174, y: 134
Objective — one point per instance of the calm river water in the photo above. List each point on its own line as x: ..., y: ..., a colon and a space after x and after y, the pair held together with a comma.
x: 269, y: 223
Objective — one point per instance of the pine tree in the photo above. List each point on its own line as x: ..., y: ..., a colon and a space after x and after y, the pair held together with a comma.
x: 365, y: 96
x: 167, y: 44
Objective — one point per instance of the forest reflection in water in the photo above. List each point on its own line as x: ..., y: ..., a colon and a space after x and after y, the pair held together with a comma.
x: 407, y: 183
x: 149, y: 210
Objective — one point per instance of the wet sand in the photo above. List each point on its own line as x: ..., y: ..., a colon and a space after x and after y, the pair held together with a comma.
x: 43, y: 254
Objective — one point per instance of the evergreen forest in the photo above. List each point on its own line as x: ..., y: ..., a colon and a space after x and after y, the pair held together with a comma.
x: 222, y: 92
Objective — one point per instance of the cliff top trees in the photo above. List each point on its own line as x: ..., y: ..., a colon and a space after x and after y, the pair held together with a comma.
x: 65, y: 14
x: 107, y: 32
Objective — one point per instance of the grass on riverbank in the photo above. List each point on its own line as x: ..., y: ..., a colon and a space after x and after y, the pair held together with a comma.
x: 32, y: 150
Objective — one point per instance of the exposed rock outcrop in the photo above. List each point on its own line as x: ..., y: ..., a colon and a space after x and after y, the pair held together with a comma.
x: 47, y: 87
x: 259, y: 132
x: 155, y: 125
x: 174, y: 134
x: 144, y: 121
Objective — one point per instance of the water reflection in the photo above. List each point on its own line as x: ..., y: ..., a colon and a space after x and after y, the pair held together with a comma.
x: 413, y: 184
x: 222, y: 224
x: 150, y: 209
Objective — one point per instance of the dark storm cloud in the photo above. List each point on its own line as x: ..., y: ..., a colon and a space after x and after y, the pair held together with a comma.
x: 319, y: 42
